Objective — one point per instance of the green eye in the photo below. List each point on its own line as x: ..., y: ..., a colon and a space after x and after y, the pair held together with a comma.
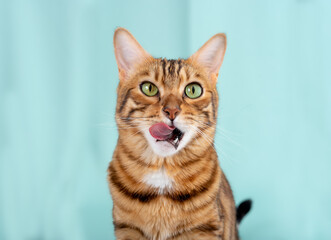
x: 193, y: 90
x: 149, y: 89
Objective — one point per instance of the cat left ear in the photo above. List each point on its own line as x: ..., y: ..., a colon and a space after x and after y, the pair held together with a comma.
x: 128, y: 52
x: 210, y: 55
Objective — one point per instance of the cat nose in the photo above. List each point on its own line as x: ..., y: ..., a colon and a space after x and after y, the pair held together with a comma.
x: 171, y: 113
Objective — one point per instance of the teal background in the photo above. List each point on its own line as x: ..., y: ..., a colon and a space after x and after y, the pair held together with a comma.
x: 58, y: 77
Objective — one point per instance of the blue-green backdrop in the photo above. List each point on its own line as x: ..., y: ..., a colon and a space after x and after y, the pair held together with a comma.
x: 57, y: 96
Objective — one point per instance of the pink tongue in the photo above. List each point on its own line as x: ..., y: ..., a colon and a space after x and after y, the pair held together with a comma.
x: 161, y: 131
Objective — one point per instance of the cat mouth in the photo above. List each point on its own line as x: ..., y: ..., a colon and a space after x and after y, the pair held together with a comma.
x: 175, y: 138
x: 163, y: 132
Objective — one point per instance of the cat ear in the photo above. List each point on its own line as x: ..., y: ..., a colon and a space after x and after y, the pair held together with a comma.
x: 210, y: 55
x: 128, y: 52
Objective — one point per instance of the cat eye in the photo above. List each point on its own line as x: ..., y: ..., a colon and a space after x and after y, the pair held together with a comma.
x: 193, y: 90
x: 149, y: 89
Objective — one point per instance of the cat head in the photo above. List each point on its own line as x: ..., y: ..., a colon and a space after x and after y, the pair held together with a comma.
x: 167, y: 105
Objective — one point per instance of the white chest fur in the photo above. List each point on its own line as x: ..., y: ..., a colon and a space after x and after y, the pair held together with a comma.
x: 158, y: 179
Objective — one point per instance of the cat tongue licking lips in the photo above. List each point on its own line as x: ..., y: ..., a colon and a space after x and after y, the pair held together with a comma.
x: 163, y: 132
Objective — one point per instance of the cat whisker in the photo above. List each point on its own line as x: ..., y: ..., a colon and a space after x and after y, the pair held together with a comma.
x: 139, y: 131
x: 221, y: 132
x: 203, y: 135
x: 222, y: 152
x: 130, y: 118
x: 219, y: 127
x: 211, y: 142
x: 114, y: 125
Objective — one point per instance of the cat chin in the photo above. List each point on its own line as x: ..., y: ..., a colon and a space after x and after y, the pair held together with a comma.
x: 160, y: 148
x: 164, y: 148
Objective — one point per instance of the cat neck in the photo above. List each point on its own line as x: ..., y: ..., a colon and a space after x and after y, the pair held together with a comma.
x: 141, y: 153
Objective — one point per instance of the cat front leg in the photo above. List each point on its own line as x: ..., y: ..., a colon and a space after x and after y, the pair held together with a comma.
x: 198, y: 235
x: 128, y: 232
x: 208, y: 231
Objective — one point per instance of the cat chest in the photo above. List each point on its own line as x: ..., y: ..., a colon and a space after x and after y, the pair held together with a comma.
x: 158, y: 180
x: 162, y: 218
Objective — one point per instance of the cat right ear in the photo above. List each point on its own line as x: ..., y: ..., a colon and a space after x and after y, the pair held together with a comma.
x: 211, y: 54
x: 128, y: 52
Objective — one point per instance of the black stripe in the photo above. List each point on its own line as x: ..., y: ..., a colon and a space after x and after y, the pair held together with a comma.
x: 123, y: 208
x: 200, y: 106
x: 119, y: 226
x: 219, y: 203
x: 136, y: 102
x: 172, y: 67
x: 205, y: 126
x: 127, y: 95
x: 202, y: 206
x: 180, y: 65
x: 197, y: 75
x: 143, y: 197
x: 156, y: 77
x: 184, y: 196
x: 207, y: 227
x: 196, y: 158
x: 164, y: 63
x: 190, y: 162
x: 193, y: 176
x: 144, y: 73
x: 213, y: 100
x: 124, y: 171
x: 129, y: 155
x: 132, y: 111
x: 208, y: 118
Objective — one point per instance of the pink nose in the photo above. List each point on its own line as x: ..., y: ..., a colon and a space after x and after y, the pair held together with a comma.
x: 171, y: 113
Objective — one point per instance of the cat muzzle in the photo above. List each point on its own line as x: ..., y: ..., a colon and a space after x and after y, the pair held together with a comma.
x: 163, y: 132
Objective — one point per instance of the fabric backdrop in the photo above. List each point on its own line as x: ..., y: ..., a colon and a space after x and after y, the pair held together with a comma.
x: 58, y: 79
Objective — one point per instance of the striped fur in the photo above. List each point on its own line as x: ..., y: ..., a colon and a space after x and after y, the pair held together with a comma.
x: 198, y: 204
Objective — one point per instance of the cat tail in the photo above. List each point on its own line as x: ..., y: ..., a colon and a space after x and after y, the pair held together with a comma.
x: 243, y: 208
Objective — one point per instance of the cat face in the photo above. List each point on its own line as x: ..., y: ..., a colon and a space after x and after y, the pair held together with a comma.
x: 168, y: 103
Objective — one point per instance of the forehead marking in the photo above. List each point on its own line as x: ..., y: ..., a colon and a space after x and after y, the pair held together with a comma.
x: 171, y: 71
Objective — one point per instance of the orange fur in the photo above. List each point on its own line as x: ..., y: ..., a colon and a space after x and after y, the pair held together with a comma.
x: 199, y: 204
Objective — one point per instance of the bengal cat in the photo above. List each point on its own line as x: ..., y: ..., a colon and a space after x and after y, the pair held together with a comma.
x: 165, y: 179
